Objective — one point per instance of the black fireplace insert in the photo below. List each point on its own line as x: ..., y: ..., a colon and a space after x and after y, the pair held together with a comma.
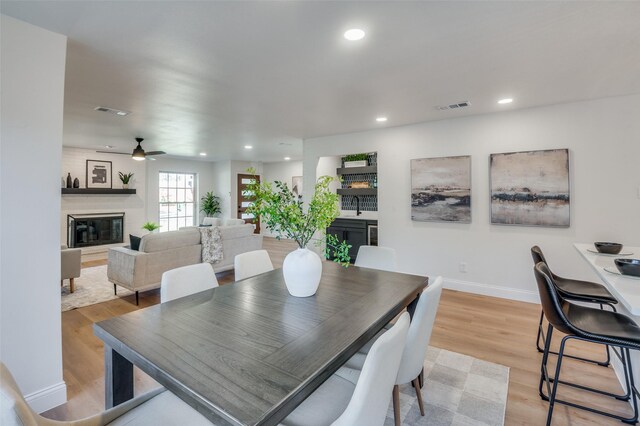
x: 84, y: 230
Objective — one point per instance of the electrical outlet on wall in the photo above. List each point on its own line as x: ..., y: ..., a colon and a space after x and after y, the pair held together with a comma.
x: 462, y: 267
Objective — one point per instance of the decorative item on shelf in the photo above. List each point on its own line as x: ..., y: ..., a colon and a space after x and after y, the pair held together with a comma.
x: 98, y: 174
x: 284, y: 216
x: 69, y: 181
x: 210, y: 204
x: 355, y: 160
x: 375, y: 181
x: 76, y: 183
x: 150, y: 226
x: 359, y: 185
x: 125, y: 178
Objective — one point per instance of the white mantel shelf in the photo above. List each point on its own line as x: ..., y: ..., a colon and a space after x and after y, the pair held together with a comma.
x: 625, y: 289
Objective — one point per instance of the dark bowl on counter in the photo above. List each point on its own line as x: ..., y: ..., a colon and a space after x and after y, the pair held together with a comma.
x: 608, y: 248
x: 628, y: 266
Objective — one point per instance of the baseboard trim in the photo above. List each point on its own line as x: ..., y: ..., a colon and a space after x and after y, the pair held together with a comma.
x: 48, y: 398
x: 492, y: 290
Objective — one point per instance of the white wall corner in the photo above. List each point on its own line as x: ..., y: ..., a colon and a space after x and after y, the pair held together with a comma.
x: 48, y: 398
x: 492, y: 290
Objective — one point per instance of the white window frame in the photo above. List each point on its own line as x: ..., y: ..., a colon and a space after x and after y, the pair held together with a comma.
x: 166, y: 220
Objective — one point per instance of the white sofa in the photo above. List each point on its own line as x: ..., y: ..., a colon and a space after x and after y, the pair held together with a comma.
x: 159, y: 252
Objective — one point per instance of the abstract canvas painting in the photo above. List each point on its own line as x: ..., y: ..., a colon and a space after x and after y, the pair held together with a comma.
x: 530, y: 188
x: 98, y: 174
x: 441, y: 189
x: 296, y: 186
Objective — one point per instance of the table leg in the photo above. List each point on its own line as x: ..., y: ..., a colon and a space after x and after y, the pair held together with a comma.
x: 118, y: 378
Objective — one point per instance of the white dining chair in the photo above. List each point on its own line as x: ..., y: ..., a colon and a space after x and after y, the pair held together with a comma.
x: 186, y: 280
x: 158, y: 407
x: 252, y: 263
x: 357, y: 399
x: 415, y: 347
x: 375, y: 257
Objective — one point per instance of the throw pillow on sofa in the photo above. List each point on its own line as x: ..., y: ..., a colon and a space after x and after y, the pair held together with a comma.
x: 234, y: 222
x: 135, y: 242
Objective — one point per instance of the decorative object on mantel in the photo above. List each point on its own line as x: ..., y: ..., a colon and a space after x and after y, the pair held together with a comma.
x: 69, y: 181
x: 359, y: 185
x: 355, y: 160
x: 150, y: 226
x: 210, y: 204
x: 76, y: 183
x: 530, y: 188
x: 125, y: 178
x: 283, y: 214
x: 98, y: 174
x: 441, y: 189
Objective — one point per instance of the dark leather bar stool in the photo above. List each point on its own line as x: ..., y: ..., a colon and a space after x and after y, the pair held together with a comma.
x: 590, y: 325
x: 578, y: 291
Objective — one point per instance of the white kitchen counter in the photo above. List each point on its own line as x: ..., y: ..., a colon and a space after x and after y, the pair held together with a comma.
x: 625, y: 289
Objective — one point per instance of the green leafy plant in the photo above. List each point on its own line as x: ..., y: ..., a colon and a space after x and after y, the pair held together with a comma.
x: 210, y: 204
x: 356, y: 157
x: 125, y: 177
x: 150, y: 226
x: 283, y: 214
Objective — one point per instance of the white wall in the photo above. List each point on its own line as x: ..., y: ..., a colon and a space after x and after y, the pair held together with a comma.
x: 204, y: 170
x: 282, y: 171
x: 604, y: 141
x: 32, y: 73
x: 74, y: 162
x: 222, y: 186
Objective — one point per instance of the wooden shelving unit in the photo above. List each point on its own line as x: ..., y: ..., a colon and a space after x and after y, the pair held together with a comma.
x: 356, y: 170
x: 97, y: 191
x: 357, y: 191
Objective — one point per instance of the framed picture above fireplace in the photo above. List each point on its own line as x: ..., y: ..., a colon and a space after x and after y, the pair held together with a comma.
x: 98, y: 174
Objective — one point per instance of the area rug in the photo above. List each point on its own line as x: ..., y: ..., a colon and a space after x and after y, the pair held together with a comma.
x: 90, y: 288
x: 458, y: 390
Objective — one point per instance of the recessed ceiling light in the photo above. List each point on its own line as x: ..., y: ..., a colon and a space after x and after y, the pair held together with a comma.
x: 248, y: 147
x: 354, y: 34
x: 121, y: 113
x: 505, y: 101
x: 381, y: 119
x: 203, y: 154
x: 287, y: 158
x: 109, y: 146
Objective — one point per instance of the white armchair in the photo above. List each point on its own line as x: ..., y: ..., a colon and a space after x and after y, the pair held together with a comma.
x: 70, y: 264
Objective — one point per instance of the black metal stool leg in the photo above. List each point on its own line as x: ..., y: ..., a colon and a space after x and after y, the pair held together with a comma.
x: 552, y: 396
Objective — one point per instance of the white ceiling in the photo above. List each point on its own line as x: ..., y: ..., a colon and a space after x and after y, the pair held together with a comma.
x: 215, y: 76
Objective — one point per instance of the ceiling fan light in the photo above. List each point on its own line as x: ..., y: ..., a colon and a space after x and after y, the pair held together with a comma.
x: 138, y: 153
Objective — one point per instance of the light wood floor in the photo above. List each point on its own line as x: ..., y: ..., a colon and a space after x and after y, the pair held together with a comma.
x: 496, y: 330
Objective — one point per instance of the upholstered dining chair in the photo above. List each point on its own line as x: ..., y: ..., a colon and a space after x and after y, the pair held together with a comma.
x: 375, y: 257
x: 577, y: 291
x: 252, y: 263
x: 357, y: 399
x: 153, y: 408
x: 415, y: 347
x: 70, y: 265
x: 186, y: 280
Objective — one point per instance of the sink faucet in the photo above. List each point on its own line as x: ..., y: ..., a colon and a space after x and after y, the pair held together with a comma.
x: 357, y: 200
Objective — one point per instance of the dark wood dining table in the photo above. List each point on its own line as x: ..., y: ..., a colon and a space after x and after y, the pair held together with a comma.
x: 248, y: 353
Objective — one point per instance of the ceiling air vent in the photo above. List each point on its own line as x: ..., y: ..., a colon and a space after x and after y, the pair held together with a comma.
x: 112, y: 111
x: 453, y: 106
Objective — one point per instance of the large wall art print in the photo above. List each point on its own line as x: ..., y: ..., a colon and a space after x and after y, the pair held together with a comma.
x: 530, y: 188
x: 441, y: 189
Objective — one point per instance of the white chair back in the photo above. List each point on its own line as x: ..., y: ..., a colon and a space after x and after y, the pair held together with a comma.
x: 370, y: 399
x: 420, y: 333
x: 374, y: 257
x: 252, y: 263
x: 181, y: 282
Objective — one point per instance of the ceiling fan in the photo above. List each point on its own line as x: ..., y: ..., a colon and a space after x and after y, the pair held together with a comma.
x: 138, y: 153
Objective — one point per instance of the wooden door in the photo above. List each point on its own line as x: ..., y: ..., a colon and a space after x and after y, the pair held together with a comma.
x: 244, y: 201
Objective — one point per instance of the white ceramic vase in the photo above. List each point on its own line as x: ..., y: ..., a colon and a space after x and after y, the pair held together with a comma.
x: 302, y: 270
